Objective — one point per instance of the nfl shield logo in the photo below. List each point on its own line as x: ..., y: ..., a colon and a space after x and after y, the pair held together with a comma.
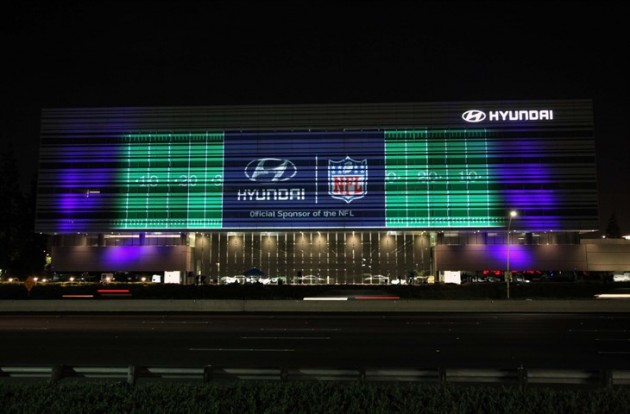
x: 347, y: 179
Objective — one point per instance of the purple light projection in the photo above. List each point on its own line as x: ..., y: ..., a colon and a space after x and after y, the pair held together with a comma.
x: 520, y: 256
x: 525, y: 180
x: 122, y: 257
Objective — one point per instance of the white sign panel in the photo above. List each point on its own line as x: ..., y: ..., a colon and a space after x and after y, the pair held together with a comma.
x: 173, y: 276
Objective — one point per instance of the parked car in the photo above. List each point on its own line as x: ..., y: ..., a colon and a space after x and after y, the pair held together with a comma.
x: 485, y: 279
x: 241, y: 279
x: 520, y: 279
x: 421, y: 280
x: 309, y: 280
x: 376, y: 280
x: 621, y: 277
x: 271, y: 280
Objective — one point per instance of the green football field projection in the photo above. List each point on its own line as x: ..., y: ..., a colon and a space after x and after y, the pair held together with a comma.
x: 171, y: 181
x: 439, y: 178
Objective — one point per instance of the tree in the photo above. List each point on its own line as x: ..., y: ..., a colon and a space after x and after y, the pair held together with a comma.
x: 21, y: 250
x: 31, y: 246
x: 612, y: 230
x: 10, y: 204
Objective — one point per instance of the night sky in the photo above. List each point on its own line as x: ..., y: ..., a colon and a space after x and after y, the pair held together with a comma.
x: 92, y: 54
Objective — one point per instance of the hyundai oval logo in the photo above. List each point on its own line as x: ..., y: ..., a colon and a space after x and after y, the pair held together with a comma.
x: 474, y: 115
x: 270, y: 170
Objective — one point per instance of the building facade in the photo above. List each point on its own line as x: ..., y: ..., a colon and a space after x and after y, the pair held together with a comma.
x: 338, y: 191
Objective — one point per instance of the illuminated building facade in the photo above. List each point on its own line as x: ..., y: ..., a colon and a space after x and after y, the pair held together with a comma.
x: 337, y: 191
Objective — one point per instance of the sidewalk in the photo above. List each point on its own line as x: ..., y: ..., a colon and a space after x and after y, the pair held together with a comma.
x: 150, y: 305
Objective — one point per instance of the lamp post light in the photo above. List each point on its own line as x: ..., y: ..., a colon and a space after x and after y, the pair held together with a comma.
x: 508, y: 276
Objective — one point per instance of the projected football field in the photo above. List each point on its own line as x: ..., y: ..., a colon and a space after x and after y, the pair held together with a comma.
x: 350, y: 179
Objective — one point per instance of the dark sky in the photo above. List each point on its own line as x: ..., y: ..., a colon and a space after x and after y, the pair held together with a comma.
x: 159, y: 53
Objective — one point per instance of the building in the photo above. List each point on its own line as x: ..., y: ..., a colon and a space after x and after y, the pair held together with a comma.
x: 337, y: 191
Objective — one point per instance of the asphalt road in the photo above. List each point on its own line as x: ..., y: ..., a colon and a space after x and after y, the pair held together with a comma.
x: 419, y: 340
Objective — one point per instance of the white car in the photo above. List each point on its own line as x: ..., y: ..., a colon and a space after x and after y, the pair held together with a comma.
x: 241, y: 279
x: 376, y: 280
x: 310, y: 280
x: 520, y: 279
x: 269, y: 280
x: 621, y: 277
x: 421, y: 280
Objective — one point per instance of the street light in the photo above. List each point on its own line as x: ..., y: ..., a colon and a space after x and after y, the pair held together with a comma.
x: 513, y: 214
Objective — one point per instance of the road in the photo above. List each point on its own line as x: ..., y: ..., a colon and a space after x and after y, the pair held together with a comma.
x: 426, y: 340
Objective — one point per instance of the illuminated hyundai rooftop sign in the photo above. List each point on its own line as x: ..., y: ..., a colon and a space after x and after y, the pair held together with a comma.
x: 476, y: 115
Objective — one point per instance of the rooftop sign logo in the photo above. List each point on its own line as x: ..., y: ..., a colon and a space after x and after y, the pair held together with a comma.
x: 476, y: 115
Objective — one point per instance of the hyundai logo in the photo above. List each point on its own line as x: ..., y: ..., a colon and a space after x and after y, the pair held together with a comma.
x: 270, y: 170
x: 474, y: 115
x: 520, y: 115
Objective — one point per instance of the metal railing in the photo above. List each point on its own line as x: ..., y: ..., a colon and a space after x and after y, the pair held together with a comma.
x: 133, y: 374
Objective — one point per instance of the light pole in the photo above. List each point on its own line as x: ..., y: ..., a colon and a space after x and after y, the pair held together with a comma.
x: 513, y: 214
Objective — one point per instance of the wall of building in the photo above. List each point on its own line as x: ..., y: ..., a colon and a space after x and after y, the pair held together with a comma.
x: 606, y: 255
x: 341, y: 256
x: 121, y: 258
x: 522, y: 257
x: 407, y: 167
